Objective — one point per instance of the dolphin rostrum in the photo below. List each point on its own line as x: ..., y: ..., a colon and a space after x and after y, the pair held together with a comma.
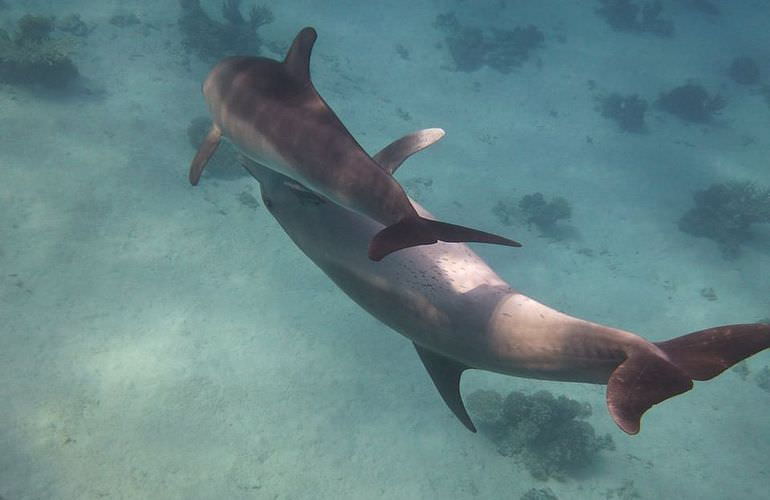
x: 460, y: 314
x: 272, y: 112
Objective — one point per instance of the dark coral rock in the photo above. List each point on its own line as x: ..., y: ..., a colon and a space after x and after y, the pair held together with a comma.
x: 544, y: 214
x: 763, y: 378
x: 725, y: 213
x: 124, y: 20
x: 744, y: 70
x: 625, y: 15
x: 705, y: 7
x: 502, y: 50
x: 467, y: 48
x: 212, y: 40
x: 691, y: 102
x: 651, y: 21
x: 548, y: 434
x: 486, y: 405
x: 32, y: 57
x: 35, y: 28
x: 539, y: 494
x: 626, y: 110
x: 508, y: 49
x: 621, y: 15
x: 75, y: 26
x: 565, y: 449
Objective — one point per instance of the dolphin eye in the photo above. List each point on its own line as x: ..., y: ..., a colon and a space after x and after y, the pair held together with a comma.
x: 268, y: 203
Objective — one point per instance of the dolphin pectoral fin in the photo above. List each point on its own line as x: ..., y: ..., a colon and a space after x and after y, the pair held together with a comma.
x: 394, y: 154
x: 647, y: 378
x: 204, y: 153
x: 416, y: 231
x: 641, y: 381
x: 446, y: 374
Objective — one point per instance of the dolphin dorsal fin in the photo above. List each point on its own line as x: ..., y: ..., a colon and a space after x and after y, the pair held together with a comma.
x: 297, y: 60
x: 446, y: 373
x: 394, y: 154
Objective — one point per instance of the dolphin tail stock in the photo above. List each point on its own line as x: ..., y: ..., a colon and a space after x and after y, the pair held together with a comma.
x: 205, y: 151
x: 646, y: 378
x: 415, y: 231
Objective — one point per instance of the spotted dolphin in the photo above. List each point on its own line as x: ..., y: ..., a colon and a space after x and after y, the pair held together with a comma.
x: 460, y: 314
x: 272, y: 112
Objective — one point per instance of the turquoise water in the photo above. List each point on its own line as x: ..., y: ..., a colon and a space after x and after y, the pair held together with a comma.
x: 159, y: 340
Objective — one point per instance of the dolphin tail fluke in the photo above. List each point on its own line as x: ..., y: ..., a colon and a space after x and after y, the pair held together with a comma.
x: 206, y: 149
x: 646, y: 378
x: 416, y: 231
x: 705, y: 354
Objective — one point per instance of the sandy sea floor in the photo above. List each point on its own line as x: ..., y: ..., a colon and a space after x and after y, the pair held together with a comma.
x: 164, y: 341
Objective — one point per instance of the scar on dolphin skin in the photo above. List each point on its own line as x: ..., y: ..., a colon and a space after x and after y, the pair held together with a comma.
x: 460, y: 314
x: 271, y: 111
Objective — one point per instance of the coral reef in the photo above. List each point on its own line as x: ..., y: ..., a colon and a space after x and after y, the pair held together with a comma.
x: 534, y: 209
x: 763, y: 378
x: 548, y: 434
x: 31, y: 56
x: 224, y: 164
x: 725, y: 212
x: 211, y: 40
x: 742, y: 370
x: 626, y: 110
x: 539, y: 494
x: 691, y: 102
x: 124, y: 20
x: 709, y: 294
x: 744, y: 70
x: 502, y: 50
x: 508, y: 49
x: 625, y: 15
x: 75, y: 26
x: 704, y: 7
x: 544, y: 214
x: 626, y: 491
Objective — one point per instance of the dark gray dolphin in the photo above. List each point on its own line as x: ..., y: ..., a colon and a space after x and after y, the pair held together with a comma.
x: 460, y: 314
x: 272, y: 112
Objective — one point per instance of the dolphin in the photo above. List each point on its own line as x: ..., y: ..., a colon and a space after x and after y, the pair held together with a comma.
x: 460, y: 314
x: 273, y: 114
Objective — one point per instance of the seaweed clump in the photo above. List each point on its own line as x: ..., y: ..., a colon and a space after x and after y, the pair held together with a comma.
x: 744, y: 70
x: 691, y: 103
x: 549, y: 435
x: 626, y: 110
x: 625, y: 15
x: 725, y: 212
x: 502, y: 50
x: 225, y: 163
x: 212, y: 40
x: 31, y: 56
